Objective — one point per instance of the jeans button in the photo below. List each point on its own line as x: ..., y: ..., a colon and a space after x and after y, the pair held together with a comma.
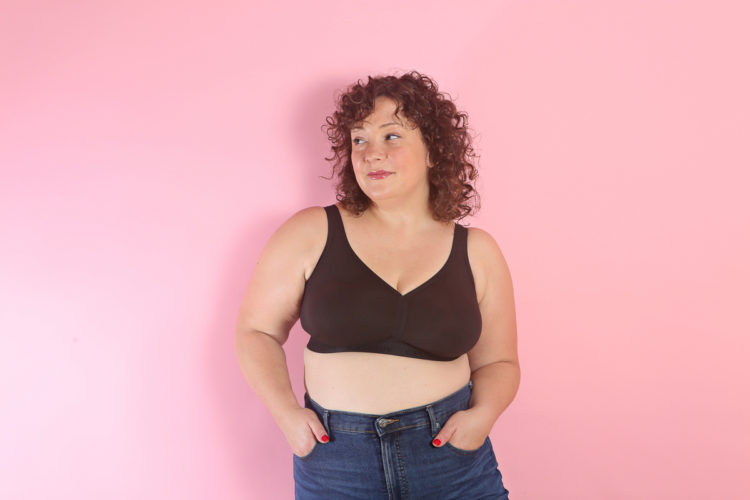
x: 386, y: 421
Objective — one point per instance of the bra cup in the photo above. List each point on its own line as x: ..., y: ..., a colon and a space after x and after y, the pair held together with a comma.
x: 340, y: 317
x: 446, y: 324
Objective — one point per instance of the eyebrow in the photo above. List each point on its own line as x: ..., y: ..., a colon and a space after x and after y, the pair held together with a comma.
x: 383, y: 125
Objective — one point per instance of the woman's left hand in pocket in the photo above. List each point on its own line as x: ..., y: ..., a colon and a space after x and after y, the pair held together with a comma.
x: 464, y: 430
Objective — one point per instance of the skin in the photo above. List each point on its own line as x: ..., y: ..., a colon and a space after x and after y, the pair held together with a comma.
x: 399, y: 240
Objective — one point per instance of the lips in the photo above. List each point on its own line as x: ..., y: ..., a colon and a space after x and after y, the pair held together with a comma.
x: 378, y: 174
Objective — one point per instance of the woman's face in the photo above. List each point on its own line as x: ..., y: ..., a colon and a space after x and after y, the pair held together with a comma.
x: 389, y: 155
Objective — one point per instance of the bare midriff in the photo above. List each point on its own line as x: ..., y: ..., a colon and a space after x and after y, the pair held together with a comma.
x: 364, y: 382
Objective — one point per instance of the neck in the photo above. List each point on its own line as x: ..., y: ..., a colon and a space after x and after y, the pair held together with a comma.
x: 398, y: 215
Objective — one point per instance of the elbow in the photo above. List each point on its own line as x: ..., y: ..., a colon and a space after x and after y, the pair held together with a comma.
x: 245, y: 337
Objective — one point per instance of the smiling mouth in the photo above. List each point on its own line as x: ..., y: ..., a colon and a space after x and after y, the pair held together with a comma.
x: 382, y: 174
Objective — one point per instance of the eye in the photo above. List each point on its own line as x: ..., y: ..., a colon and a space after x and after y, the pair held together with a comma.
x: 354, y: 141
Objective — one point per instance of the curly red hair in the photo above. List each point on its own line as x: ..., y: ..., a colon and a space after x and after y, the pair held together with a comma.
x: 444, y: 129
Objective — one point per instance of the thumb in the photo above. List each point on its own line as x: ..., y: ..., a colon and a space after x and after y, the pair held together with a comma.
x: 317, y: 428
x: 445, y: 434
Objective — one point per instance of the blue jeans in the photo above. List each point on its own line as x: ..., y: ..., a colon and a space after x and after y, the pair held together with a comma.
x: 391, y: 457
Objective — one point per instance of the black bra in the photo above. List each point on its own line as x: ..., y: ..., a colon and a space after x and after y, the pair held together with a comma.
x: 347, y: 307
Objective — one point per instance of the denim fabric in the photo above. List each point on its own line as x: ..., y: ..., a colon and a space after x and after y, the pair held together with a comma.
x: 391, y: 457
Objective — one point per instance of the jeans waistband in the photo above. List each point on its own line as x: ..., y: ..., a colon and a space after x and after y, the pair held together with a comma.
x: 430, y: 414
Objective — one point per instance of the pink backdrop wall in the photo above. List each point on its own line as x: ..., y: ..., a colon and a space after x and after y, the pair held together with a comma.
x: 149, y: 149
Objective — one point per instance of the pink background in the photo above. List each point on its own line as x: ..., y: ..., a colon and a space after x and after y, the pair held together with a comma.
x: 149, y: 149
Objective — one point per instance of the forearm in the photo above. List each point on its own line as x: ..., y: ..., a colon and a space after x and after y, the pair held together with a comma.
x: 263, y: 363
x: 494, y: 387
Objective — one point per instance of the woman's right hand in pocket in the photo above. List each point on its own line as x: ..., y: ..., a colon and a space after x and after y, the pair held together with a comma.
x: 302, y: 428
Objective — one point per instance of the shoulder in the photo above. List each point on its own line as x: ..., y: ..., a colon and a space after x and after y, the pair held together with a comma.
x: 271, y: 301
x: 483, y: 245
x: 300, y: 231
x: 486, y: 259
x: 308, y: 215
x: 304, y: 234
x: 303, y: 225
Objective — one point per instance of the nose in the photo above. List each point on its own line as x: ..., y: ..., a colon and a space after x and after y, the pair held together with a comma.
x: 373, y: 152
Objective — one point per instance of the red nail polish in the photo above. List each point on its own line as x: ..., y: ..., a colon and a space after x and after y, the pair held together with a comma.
x: 324, y: 438
x: 436, y: 442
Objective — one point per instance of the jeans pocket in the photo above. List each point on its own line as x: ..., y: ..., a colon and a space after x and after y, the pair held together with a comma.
x: 310, y: 453
x: 465, y: 453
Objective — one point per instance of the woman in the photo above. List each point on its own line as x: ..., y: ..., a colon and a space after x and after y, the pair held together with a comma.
x: 412, y: 353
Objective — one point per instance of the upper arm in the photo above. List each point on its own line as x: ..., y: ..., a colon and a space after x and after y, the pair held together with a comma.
x: 498, y: 340
x: 272, y: 299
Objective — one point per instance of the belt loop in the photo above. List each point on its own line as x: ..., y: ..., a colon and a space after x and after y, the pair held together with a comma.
x: 434, y: 424
x: 325, y: 423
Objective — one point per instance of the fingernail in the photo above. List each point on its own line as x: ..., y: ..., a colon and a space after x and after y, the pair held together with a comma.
x: 436, y: 442
x: 324, y: 438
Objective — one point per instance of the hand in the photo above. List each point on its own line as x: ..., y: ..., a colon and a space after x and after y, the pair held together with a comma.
x: 464, y: 430
x: 302, y: 428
